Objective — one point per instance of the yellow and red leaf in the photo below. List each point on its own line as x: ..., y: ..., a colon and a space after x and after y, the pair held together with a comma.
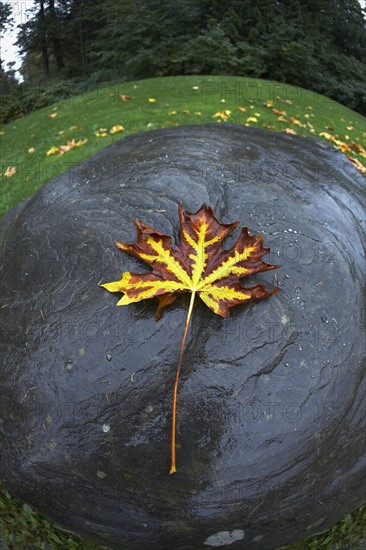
x: 199, y: 265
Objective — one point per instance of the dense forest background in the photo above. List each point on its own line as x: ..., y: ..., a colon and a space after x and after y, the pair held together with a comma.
x: 71, y: 45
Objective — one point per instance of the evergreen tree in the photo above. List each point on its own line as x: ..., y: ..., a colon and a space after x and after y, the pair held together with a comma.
x: 317, y: 44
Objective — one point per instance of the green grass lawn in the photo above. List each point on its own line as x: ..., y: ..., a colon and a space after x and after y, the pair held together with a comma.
x: 159, y: 103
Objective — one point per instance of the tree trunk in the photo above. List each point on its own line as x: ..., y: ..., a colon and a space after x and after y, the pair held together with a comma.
x: 53, y: 26
x: 43, y: 41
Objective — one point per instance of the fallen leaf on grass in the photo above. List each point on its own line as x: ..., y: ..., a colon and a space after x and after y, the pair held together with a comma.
x: 279, y: 112
x: 268, y: 103
x: 62, y: 149
x: 252, y: 119
x: 126, y: 97
x: 289, y: 131
x: 31, y: 150
x: 115, y: 129
x: 341, y: 145
x: 10, y: 171
x: 172, y: 112
x: 326, y: 135
x: 282, y: 118
x: 360, y: 167
x: 358, y: 147
x: 151, y: 99
x: 102, y: 132
x: 71, y: 145
x: 52, y: 115
x: 52, y: 151
x: 242, y: 109
x: 297, y: 122
x: 198, y: 265
x: 224, y: 115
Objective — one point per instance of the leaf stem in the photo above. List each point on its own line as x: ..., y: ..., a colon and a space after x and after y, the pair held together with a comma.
x: 175, y: 390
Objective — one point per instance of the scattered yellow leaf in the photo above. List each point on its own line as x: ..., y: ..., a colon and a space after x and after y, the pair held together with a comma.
x: 269, y: 126
x: 297, y: 122
x: 242, y: 109
x: 279, y: 112
x: 65, y: 148
x: 52, y: 115
x: 289, y: 131
x: 343, y: 146
x: 151, y: 99
x: 252, y: 119
x: 71, y: 145
x: 257, y: 114
x: 2, y: 133
x: 309, y: 108
x: 115, y: 129
x: 224, y: 115
x: 72, y: 128
x: 360, y: 150
x: 198, y: 113
x: 360, y: 167
x: 195, y: 87
x: 329, y: 128
x: 282, y: 118
x: 350, y: 128
x: 102, y: 132
x: 268, y: 103
x: 10, y: 171
x: 172, y: 113
x: 126, y: 97
x: 289, y: 101
x: 31, y: 150
x: 52, y: 151
x: 326, y: 136
x: 186, y: 111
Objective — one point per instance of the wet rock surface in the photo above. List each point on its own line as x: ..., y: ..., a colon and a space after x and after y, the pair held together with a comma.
x: 270, y: 403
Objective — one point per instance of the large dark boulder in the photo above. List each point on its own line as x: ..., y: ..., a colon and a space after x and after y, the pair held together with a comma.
x: 270, y: 404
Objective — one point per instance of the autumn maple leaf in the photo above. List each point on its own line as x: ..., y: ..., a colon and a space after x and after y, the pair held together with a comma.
x: 199, y: 265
